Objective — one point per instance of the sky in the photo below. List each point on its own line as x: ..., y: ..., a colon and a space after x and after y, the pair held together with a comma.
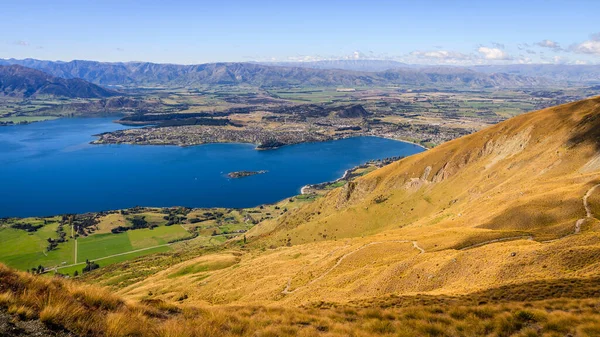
x: 190, y: 32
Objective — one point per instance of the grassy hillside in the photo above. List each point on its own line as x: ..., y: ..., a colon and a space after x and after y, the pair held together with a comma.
x: 502, y: 206
x: 56, y: 307
x: 494, y: 234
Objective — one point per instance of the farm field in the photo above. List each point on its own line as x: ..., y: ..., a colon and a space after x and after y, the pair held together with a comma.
x: 26, y: 248
x: 102, y: 245
x: 70, y: 270
x: 23, y: 250
x: 109, y: 238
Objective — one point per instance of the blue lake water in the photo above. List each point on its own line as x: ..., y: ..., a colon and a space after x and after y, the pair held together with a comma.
x: 50, y: 168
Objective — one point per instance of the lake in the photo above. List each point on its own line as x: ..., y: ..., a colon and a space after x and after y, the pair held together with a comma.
x: 50, y: 168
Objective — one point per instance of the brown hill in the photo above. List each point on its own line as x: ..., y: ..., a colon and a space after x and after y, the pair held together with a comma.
x: 503, y: 206
x: 496, y: 233
x: 38, y: 306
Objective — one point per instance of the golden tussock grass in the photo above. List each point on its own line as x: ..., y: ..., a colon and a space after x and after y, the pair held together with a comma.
x: 64, y: 305
x: 485, y: 208
x: 411, y: 249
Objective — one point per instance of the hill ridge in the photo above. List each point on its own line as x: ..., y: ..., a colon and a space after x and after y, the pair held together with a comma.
x: 17, y: 80
x: 230, y: 73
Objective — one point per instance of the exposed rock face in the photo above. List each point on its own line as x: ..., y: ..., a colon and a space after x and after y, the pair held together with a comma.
x: 442, y: 174
x: 505, y: 147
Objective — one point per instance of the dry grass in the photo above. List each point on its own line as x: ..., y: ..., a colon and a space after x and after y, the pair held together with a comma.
x: 85, y: 310
x: 364, y: 243
x: 522, y: 180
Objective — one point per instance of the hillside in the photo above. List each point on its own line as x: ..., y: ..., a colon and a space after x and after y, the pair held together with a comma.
x: 498, y: 207
x: 145, y: 73
x: 38, y: 306
x: 19, y: 81
x: 496, y: 233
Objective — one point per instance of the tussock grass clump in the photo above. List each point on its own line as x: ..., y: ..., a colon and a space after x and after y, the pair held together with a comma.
x: 63, y: 305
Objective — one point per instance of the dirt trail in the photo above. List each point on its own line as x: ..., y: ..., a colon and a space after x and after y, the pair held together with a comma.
x: 588, y: 210
x: 588, y: 215
x: 339, y: 261
x: 416, y: 245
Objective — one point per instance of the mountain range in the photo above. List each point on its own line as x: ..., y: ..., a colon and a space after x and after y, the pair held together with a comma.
x: 145, y: 73
x: 19, y: 81
x: 552, y: 72
x: 354, y: 65
x: 557, y: 72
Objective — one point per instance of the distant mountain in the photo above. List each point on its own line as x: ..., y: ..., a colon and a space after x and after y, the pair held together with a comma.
x: 555, y: 72
x: 145, y: 73
x: 19, y: 81
x: 457, y: 77
x: 355, y: 65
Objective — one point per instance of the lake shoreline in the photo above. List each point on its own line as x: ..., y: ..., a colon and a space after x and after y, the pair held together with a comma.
x: 257, y: 147
x: 56, y: 157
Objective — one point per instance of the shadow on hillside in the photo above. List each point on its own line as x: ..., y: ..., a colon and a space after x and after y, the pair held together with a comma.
x: 586, y: 131
x: 523, y: 292
x: 554, y: 221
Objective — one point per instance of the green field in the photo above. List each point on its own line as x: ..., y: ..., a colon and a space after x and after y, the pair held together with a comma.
x: 115, y: 259
x: 25, y: 250
x: 101, y: 245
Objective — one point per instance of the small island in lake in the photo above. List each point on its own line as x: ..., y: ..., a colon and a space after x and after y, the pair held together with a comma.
x: 242, y: 174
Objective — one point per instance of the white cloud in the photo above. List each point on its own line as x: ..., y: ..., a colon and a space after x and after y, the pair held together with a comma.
x: 560, y: 60
x: 21, y: 43
x: 587, y: 47
x: 493, y: 53
x: 591, y: 46
x: 580, y: 62
x: 306, y: 58
x: 357, y: 55
x: 525, y: 60
x: 441, y: 55
x: 549, y: 44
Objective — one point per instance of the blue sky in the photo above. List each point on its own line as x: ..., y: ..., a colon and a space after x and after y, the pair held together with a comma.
x: 432, y: 32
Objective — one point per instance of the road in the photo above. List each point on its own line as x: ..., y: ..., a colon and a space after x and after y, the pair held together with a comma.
x: 110, y: 256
